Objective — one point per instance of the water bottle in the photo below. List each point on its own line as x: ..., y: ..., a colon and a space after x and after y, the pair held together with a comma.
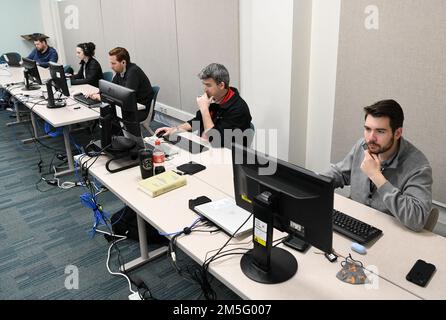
x: 158, y: 158
x: 145, y: 163
x: 68, y: 81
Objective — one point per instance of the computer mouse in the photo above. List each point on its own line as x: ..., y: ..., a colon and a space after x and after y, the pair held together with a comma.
x: 358, y: 248
x: 161, y: 133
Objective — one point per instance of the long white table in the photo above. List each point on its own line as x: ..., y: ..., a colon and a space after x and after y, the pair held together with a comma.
x: 316, y: 276
x: 391, y: 256
x: 73, y: 113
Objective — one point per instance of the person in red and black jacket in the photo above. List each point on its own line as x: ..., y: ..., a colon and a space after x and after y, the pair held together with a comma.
x: 221, y: 110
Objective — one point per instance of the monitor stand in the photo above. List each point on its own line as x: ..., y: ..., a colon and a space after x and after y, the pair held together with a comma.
x: 29, y: 86
x: 53, y: 103
x: 265, y: 263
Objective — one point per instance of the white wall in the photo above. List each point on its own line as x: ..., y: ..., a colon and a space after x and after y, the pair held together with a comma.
x: 266, y: 28
x: 51, y: 27
x: 19, y: 18
x: 323, y: 66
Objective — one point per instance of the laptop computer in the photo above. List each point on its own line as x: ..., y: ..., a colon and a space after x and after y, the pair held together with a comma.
x: 227, y: 215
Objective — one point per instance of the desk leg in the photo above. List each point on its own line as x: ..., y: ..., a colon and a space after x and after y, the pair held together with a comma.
x: 17, y: 111
x: 145, y: 255
x: 66, y: 138
x: 35, y: 133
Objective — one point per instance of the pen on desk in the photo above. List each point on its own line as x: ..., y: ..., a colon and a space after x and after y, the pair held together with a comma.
x: 178, y: 172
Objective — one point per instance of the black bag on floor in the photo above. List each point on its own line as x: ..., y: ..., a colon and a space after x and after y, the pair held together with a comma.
x: 124, y: 223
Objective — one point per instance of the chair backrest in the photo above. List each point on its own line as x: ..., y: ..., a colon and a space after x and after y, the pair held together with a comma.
x: 107, y: 76
x: 13, y: 57
x: 156, y: 90
x: 151, y: 115
x: 251, y: 134
x: 68, y: 69
x: 432, y: 220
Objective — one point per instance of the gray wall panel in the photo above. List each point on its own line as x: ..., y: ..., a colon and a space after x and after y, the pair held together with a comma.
x: 90, y: 30
x: 156, y: 47
x: 403, y: 60
x: 171, y: 40
x: 119, y: 26
x: 208, y: 31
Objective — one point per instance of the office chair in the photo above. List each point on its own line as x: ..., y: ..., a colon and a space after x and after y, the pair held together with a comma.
x: 151, y: 115
x: 68, y: 69
x: 432, y: 220
x: 12, y: 57
x: 107, y: 76
x: 251, y: 133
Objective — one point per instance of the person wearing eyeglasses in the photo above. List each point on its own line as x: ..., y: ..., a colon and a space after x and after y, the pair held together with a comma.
x: 386, y: 171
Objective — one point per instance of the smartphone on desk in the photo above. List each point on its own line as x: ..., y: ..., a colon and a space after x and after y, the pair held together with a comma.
x: 421, y: 273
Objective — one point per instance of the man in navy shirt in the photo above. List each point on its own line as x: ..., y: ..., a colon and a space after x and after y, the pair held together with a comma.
x: 43, y: 53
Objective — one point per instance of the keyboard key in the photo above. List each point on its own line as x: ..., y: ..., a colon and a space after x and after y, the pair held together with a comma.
x: 354, y: 229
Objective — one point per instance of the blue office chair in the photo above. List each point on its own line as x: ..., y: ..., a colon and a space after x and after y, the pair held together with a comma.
x: 13, y: 57
x: 151, y: 115
x: 68, y: 69
x: 107, y: 76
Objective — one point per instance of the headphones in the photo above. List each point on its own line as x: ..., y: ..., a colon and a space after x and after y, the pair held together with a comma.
x: 86, y: 48
x: 53, y: 132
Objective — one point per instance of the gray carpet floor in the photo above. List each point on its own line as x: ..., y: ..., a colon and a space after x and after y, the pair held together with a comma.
x: 44, y: 232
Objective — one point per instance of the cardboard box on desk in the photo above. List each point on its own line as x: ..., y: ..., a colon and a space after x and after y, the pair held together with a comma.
x: 162, y: 183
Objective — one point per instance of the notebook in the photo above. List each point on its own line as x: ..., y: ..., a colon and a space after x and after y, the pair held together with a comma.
x: 227, y: 215
x: 162, y: 183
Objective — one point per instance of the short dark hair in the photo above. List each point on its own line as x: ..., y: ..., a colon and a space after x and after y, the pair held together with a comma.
x: 88, y: 48
x: 120, y: 53
x: 387, y: 108
x: 39, y: 37
x: 215, y: 71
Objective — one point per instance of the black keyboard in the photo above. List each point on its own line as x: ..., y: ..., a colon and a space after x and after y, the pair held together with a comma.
x: 354, y: 229
x: 86, y: 101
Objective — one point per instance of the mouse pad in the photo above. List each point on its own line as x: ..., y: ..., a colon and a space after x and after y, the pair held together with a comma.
x: 191, y: 168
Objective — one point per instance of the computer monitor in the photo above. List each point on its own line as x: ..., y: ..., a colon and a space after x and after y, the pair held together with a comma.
x: 59, y: 82
x: 119, y: 112
x: 31, y: 74
x: 286, y: 197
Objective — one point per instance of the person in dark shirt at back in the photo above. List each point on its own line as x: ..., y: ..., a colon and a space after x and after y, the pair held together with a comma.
x: 131, y: 76
x: 222, y: 112
x: 43, y: 53
x: 90, y: 71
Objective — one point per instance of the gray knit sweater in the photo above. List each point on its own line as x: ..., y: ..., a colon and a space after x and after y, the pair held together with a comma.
x: 407, y: 194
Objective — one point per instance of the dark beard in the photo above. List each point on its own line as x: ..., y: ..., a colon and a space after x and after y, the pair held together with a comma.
x: 385, y: 148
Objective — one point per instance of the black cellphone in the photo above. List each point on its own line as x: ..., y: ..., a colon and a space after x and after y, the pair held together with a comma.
x: 421, y: 273
x: 296, y: 243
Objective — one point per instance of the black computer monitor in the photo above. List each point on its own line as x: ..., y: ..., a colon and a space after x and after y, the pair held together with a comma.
x: 31, y: 74
x: 286, y: 197
x: 59, y: 82
x: 119, y: 112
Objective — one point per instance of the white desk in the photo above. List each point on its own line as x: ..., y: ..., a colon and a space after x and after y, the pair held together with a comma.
x: 14, y: 75
x: 393, y: 254
x: 73, y: 113
x: 315, y: 279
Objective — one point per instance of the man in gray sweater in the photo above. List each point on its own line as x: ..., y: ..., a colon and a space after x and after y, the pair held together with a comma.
x: 385, y: 171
